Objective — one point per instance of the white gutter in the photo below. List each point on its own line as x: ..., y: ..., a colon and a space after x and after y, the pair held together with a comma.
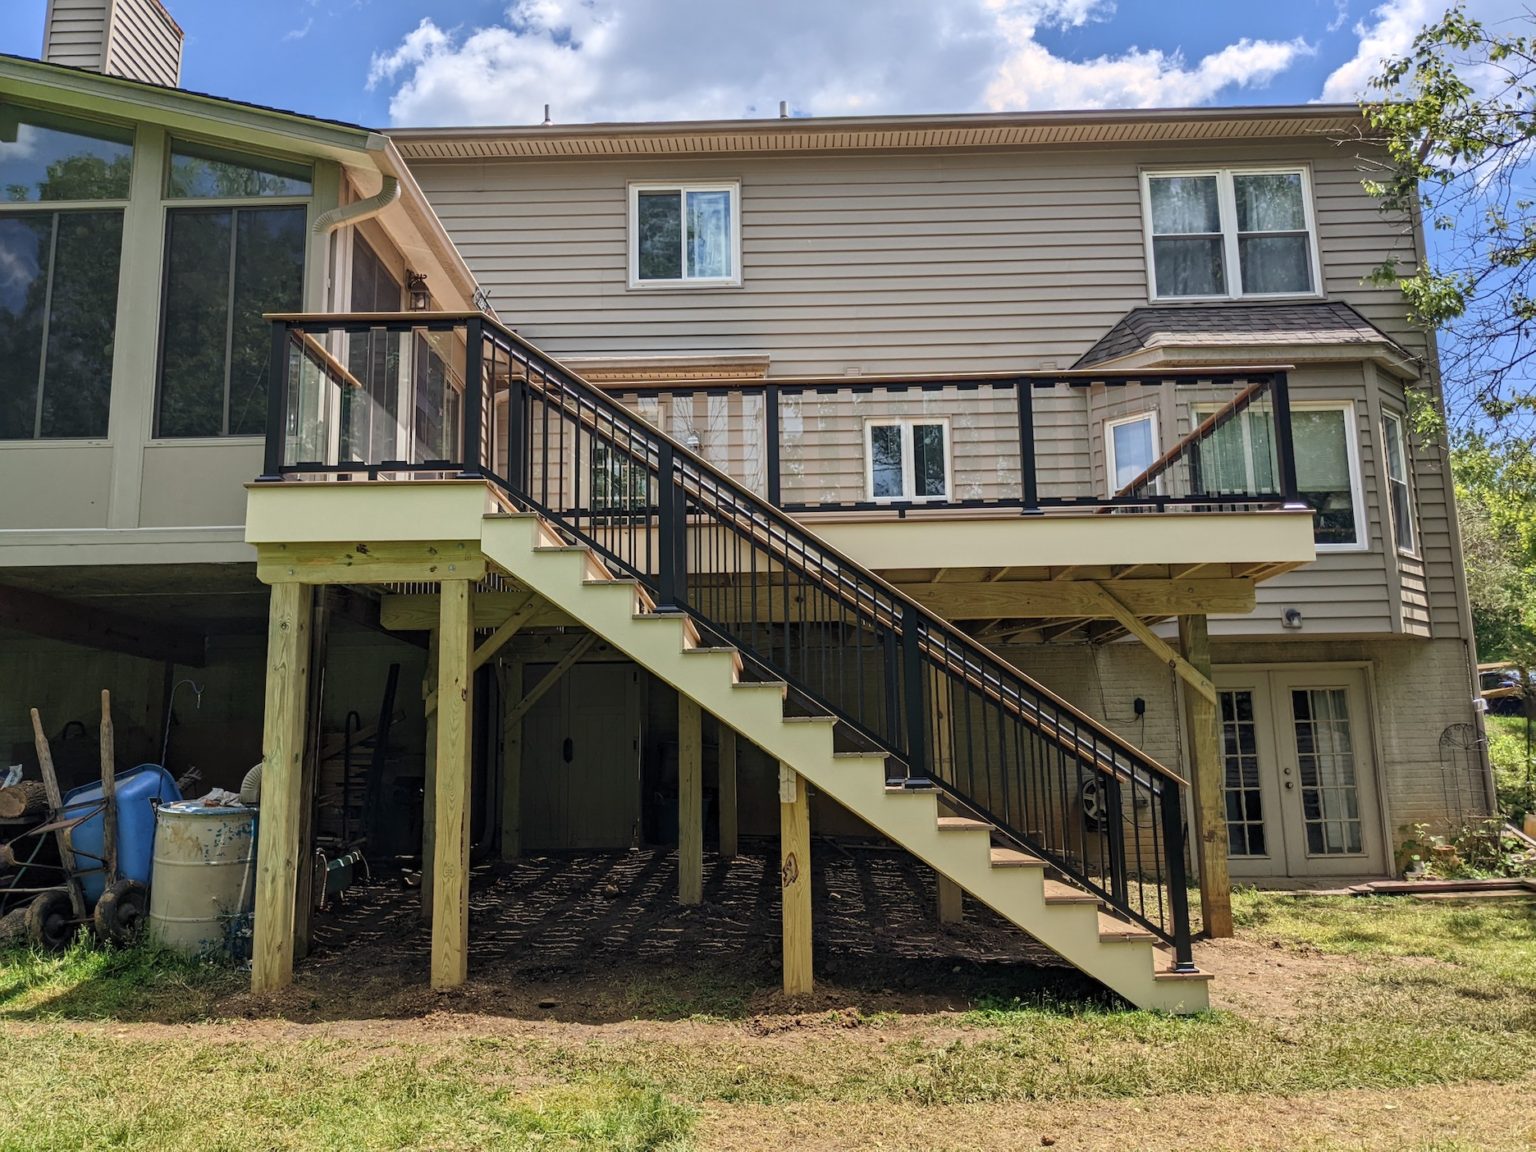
x: 369, y: 206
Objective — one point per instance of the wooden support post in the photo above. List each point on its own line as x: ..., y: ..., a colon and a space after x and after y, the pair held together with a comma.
x: 726, y: 796
x: 108, y: 791
x: 455, y: 728
x: 511, y: 674
x: 304, y: 901
x: 1207, y: 771
x: 951, y: 901
x: 429, y: 780
x: 690, y: 802
x: 795, y: 880
x: 277, y: 854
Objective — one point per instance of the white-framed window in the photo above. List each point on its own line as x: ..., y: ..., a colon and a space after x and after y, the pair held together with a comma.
x: 907, y: 459
x: 685, y: 235
x: 1130, y: 448
x: 1326, y: 439
x: 1399, y: 486
x: 1230, y: 233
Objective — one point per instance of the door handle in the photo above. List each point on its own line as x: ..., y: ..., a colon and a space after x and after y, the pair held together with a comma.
x: 567, y: 750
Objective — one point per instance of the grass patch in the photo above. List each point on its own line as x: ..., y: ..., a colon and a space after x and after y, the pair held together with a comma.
x: 89, y: 983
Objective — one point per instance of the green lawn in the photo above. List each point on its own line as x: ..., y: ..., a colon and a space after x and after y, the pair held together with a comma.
x: 1391, y: 999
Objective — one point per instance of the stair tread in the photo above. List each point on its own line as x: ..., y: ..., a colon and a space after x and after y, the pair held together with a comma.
x: 1112, y: 929
x: 962, y: 824
x: 1057, y: 892
x: 1013, y: 858
x: 1170, y: 974
x: 810, y: 719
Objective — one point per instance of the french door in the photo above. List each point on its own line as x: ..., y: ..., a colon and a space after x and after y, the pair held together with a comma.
x: 1300, y: 777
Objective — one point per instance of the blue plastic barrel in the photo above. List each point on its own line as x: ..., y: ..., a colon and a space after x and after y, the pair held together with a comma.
x: 137, y: 791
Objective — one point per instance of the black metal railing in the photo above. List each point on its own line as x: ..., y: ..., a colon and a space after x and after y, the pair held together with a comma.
x: 1037, y: 443
x: 946, y: 711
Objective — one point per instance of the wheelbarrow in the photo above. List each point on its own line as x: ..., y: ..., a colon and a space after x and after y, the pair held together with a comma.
x: 80, y: 884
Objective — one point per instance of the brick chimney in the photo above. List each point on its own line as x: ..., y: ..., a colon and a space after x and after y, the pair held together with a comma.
x: 135, y: 39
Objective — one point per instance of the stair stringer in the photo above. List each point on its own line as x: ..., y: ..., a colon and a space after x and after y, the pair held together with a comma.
x: 656, y: 642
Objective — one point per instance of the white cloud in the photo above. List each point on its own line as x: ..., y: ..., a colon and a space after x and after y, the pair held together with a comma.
x: 1389, y: 31
x: 683, y: 59
x: 299, y: 33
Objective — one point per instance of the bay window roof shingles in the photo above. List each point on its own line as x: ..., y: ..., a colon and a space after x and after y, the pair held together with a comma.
x: 1237, y: 326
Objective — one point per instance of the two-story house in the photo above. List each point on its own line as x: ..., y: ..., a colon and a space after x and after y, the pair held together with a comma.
x: 1035, y: 491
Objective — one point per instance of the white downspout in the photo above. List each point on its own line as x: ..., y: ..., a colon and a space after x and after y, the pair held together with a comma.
x: 369, y: 206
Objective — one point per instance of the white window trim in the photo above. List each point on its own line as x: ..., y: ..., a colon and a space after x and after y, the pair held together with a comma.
x: 1227, y: 204
x: 1394, y: 428
x: 1352, y: 460
x: 1110, y: 469
x: 632, y: 235
x: 908, y: 484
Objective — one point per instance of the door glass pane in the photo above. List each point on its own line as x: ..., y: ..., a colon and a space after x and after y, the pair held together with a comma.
x: 709, y: 235
x: 1189, y: 266
x: 659, y: 221
x: 1133, y: 451
x: 928, y: 459
x: 1325, y: 761
x: 1245, y: 804
x: 269, y: 277
x: 885, y: 460
x: 44, y: 157
x: 1322, y: 473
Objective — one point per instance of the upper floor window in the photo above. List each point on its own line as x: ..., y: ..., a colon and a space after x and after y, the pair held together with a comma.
x: 48, y: 157
x: 1326, y: 444
x: 1399, y: 489
x: 1131, y: 447
x: 203, y: 173
x: 907, y: 459
x: 684, y: 234
x: 1227, y: 233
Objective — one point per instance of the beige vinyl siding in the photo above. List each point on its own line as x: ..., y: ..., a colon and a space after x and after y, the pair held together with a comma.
x: 144, y: 43
x: 75, y: 33
x: 908, y: 262
x: 1416, y: 619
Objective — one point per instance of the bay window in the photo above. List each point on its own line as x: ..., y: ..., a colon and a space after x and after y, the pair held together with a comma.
x: 1130, y: 446
x: 1327, y: 473
x: 1227, y: 233
x: 1399, y: 489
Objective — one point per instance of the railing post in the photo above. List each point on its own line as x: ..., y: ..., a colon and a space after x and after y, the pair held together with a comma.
x: 917, y: 710
x: 1171, y: 801
x: 1030, y: 482
x: 474, y: 398
x: 277, y: 405
x: 771, y: 432
x: 517, y: 422
x: 1285, y: 445
x: 1114, y: 824
x: 672, y: 534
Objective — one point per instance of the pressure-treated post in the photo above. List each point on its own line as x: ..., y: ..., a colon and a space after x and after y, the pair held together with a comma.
x: 726, y: 796
x: 429, y: 784
x: 690, y: 802
x: 277, y: 855
x: 455, y: 706
x: 795, y: 880
x: 1208, y: 769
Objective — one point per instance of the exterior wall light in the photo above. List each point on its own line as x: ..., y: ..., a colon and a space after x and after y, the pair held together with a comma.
x: 416, y: 288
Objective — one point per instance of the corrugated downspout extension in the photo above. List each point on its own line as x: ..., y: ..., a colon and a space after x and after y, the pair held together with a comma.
x: 328, y: 222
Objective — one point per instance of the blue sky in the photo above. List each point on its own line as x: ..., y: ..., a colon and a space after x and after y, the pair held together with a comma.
x: 384, y: 62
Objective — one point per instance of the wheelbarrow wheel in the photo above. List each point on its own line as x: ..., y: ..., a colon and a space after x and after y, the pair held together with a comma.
x: 120, y: 912
x: 50, y: 921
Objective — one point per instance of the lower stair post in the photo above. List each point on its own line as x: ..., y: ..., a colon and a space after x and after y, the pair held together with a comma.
x: 455, y: 726
x: 795, y: 880
x: 690, y: 802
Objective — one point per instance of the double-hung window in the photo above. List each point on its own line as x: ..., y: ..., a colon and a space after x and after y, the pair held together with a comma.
x: 1399, y: 487
x: 234, y: 249
x: 1229, y: 233
x: 1326, y: 443
x: 684, y: 235
x: 1130, y: 449
x: 907, y: 459
x: 63, y: 189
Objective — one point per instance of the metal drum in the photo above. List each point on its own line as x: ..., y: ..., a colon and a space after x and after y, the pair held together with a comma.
x: 204, y: 877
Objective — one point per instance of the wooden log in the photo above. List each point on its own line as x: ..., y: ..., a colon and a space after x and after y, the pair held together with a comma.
x: 25, y: 800
x: 108, y: 790
x: 56, y: 808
